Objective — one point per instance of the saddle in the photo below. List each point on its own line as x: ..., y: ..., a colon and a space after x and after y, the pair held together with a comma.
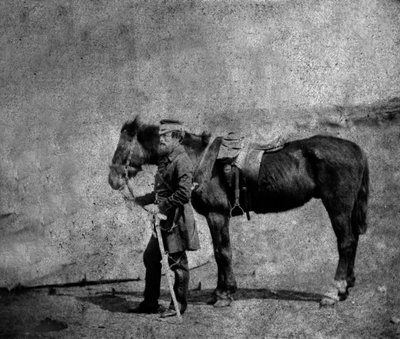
x: 241, y: 156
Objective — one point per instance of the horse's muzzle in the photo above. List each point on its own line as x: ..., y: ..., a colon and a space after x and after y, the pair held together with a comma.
x: 119, y: 174
x: 117, y: 182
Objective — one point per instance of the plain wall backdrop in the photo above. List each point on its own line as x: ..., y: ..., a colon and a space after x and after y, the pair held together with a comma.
x: 72, y: 72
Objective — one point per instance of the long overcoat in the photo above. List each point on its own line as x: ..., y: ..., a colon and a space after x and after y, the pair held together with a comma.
x: 172, y: 191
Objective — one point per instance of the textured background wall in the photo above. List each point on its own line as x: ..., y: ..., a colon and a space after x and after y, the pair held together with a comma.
x: 73, y: 71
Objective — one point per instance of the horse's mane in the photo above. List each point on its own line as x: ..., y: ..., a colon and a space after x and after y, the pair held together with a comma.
x: 197, y: 141
x: 147, y: 136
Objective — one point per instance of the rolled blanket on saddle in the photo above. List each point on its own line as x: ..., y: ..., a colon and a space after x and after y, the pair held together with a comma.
x: 241, y: 149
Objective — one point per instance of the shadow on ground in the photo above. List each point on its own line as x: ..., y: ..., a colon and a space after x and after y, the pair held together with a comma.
x: 115, y: 302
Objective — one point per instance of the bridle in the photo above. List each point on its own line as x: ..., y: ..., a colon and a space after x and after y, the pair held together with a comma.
x: 126, y: 169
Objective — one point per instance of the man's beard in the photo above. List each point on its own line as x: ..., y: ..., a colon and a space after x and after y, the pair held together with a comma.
x: 163, y: 150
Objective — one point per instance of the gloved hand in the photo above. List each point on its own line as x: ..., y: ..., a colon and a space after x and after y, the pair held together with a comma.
x: 152, y: 209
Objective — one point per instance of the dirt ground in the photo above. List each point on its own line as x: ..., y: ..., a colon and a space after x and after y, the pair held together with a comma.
x: 288, y: 312
x: 281, y: 306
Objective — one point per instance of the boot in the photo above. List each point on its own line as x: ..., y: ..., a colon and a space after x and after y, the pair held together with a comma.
x: 147, y: 309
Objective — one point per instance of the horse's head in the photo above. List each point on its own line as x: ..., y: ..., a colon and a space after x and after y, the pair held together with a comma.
x: 137, y: 145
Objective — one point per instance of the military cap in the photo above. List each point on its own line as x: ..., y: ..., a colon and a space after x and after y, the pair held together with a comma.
x: 168, y: 125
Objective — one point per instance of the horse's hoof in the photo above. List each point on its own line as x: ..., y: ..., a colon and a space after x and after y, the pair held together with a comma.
x: 343, y: 296
x: 351, y: 282
x: 223, y: 302
x: 336, y: 292
x: 327, y: 302
x: 212, y: 300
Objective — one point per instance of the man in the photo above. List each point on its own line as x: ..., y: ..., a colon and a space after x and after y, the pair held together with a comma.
x: 171, y: 197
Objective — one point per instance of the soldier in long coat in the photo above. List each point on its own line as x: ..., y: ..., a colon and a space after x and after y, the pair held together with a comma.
x: 171, y: 196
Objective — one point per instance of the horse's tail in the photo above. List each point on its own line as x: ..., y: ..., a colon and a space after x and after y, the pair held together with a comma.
x: 359, y: 214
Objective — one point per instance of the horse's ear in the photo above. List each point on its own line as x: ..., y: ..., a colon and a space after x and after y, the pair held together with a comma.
x: 205, y: 138
x: 138, y: 120
x: 131, y: 127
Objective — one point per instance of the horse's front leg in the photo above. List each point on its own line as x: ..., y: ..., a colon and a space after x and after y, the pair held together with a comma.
x: 219, y: 227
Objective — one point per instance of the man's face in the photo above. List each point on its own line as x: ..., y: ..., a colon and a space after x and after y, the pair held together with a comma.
x: 167, y: 143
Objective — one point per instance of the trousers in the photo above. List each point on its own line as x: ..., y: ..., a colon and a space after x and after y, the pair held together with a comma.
x: 178, y: 263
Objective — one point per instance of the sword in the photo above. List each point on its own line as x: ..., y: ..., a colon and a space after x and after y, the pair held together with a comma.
x: 164, y: 255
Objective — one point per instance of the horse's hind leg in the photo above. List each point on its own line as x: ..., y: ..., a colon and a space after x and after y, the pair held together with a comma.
x: 350, y: 269
x: 219, y: 227
x: 340, y: 215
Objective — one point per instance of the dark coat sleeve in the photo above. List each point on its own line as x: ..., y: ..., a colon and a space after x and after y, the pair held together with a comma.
x: 146, y: 199
x: 183, y: 178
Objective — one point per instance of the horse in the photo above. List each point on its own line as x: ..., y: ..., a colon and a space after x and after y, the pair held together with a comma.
x: 328, y: 168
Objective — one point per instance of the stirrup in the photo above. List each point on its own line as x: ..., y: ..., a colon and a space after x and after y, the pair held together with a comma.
x: 237, y: 192
x: 237, y: 205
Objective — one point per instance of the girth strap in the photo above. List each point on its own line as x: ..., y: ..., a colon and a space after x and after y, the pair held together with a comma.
x: 236, y: 205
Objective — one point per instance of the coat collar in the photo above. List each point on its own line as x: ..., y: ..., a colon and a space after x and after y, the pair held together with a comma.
x: 175, y: 152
